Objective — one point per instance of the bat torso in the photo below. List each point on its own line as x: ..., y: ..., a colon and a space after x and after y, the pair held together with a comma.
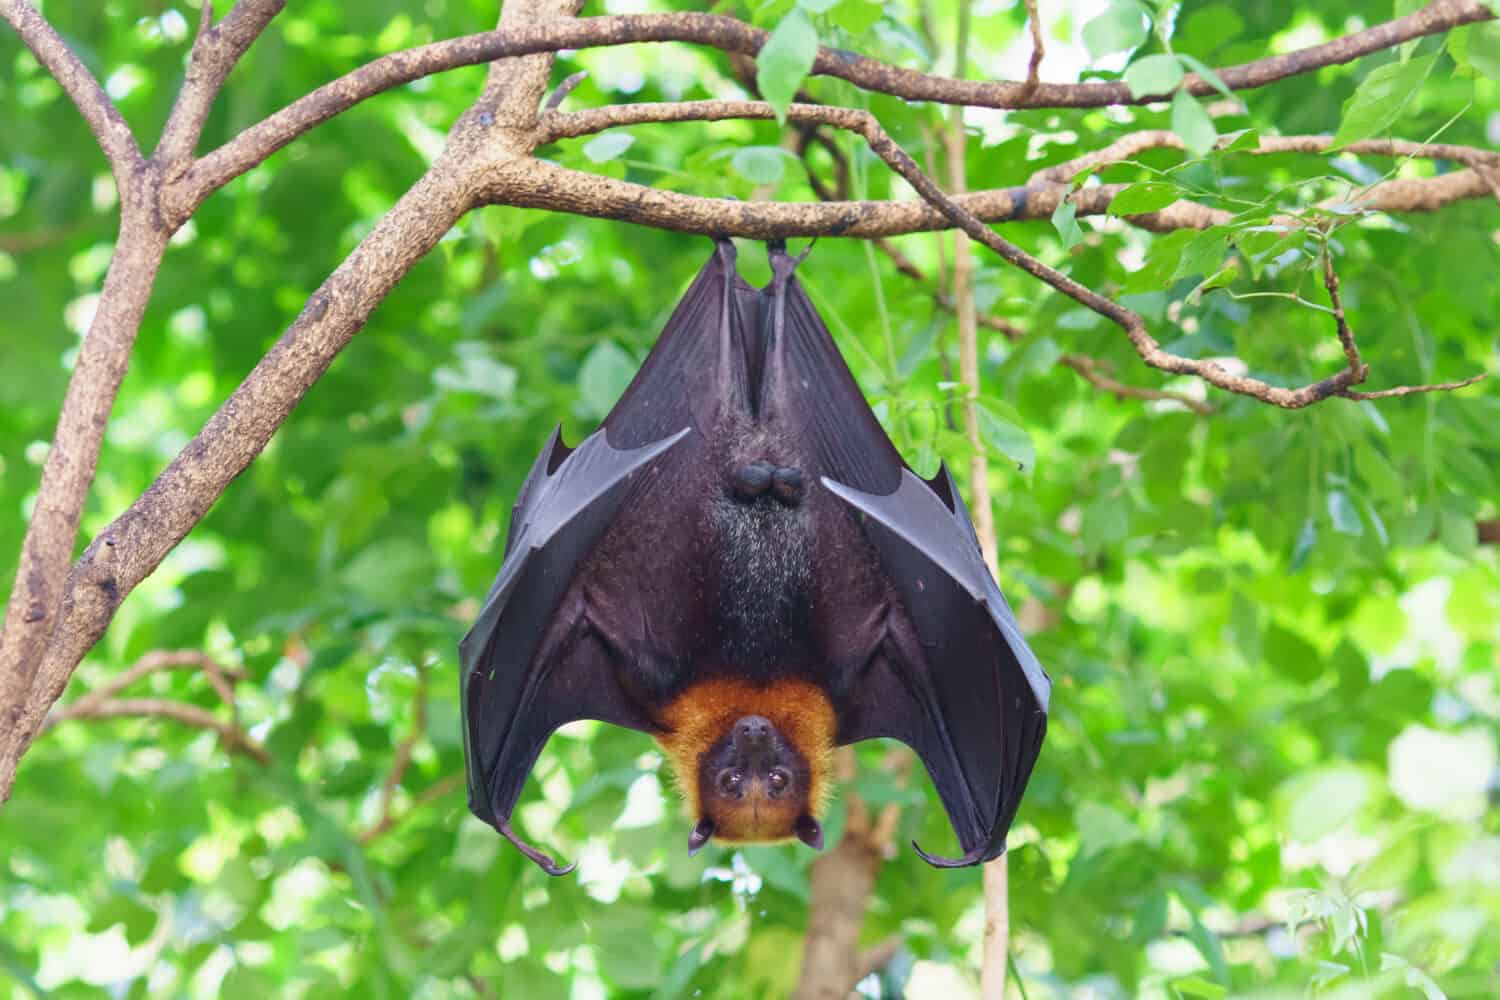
x: 757, y: 607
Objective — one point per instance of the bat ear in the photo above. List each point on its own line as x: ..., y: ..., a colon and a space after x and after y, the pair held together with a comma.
x: 700, y: 835
x: 809, y: 832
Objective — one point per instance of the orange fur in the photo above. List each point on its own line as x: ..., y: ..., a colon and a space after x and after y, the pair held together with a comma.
x: 702, y: 714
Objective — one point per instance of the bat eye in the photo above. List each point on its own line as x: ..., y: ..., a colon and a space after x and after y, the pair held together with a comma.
x: 730, y: 782
x: 778, y: 780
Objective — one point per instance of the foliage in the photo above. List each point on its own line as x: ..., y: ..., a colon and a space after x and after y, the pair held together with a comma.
x: 1272, y: 757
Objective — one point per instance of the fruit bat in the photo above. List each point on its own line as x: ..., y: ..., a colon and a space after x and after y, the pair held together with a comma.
x: 740, y: 564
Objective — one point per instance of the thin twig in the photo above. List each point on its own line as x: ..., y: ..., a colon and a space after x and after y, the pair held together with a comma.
x: 402, y: 759
x: 235, y: 738
x: 1038, y: 50
x: 1411, y: 390
x: 555, y: 99
x: 217, y: 49
x: 1091, y: 370
x: 1346, y: 336
x: 1128, y: 146
x: 439, y: 789
x: 219, y: 677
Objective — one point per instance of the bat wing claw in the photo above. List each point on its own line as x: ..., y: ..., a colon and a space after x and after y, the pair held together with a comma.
x: 968, y: 858
x: 544, y: 861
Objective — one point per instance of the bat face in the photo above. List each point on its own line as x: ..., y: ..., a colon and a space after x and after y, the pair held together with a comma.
x: 755, y: 786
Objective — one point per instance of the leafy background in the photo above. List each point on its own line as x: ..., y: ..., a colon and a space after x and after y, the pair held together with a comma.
x: 1272, y: 760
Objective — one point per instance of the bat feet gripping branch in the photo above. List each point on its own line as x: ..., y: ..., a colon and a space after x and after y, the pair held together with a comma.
x: 750, y: 482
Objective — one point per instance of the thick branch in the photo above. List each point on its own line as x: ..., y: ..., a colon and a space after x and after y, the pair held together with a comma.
x: 841, y: 882
x: 133, y: 545
x: 261, y: 140
x: 103, y: 118
x: 36, y: 600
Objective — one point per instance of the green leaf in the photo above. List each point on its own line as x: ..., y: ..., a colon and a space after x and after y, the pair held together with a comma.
x: 1207, y: 73
x: 1101, y: 828
x: 1122, y: 26
x: 1005, y: 433
x: 785, y: 60
x: 1197, y: 986
x: 1378, y: 473
x: 603, y: 377
x: 1318, y: 802
x: 1290, y: 654
x: 1138, y: 199
x: 760, y: 164
x: 607, y: 146
x: 1192, y: 124
x: 1064, y: 220
x: 1306, y: 539
x: 1476, y: 49
x: 1153, y: 75
x: 1380, y: 99
x: 1343, y: 514
x: 858, y: 16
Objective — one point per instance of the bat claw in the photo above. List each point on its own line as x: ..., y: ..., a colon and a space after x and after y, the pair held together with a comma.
x: 968, y: 858
x: 543, y: 861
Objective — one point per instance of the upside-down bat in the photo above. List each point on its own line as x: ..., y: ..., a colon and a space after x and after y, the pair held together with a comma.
x: 740, y: 564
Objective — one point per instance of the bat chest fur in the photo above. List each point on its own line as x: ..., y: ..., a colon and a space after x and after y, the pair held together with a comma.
x: 765, y: 573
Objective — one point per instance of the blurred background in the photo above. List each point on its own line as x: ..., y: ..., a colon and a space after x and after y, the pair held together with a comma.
x: 1272, y: 761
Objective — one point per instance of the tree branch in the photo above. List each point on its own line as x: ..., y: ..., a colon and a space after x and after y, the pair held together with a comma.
x: 103, y: 118
x: 612, y: 199
x: 132, y: 546
x: 259, y: 141
x: 402, y: 759
x: 216, y: 51
x: 235, y: 738
x: 1038, y: 50
x: 156, y: 662
x: 36, y: 600
x: 841, y: 880
x: 1138, y: 142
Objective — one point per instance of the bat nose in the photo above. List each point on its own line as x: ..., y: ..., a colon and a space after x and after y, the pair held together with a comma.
x: 752, y: 731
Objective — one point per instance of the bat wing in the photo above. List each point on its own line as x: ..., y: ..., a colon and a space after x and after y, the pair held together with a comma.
x: 553, y: 644
x: 526, y: 667
x: 702, y: 362
x: 953, y: 678
x: 943, y: 667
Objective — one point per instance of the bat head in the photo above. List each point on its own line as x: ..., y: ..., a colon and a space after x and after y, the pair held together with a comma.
x: 755, y: 785
x: 752, y: 760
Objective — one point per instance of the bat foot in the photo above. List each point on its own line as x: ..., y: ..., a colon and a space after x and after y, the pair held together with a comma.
x: 750, y: 482
x: 543, y: 861
x: 968, y: 858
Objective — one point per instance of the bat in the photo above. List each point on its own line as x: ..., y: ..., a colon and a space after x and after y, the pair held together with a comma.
x: 739, y: 563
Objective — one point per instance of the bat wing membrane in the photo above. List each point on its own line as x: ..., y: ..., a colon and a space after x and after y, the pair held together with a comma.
x: 531, y: 619
x: 953, y: 677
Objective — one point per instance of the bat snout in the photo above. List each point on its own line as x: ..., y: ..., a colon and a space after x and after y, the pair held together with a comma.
x: 753, y: 732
